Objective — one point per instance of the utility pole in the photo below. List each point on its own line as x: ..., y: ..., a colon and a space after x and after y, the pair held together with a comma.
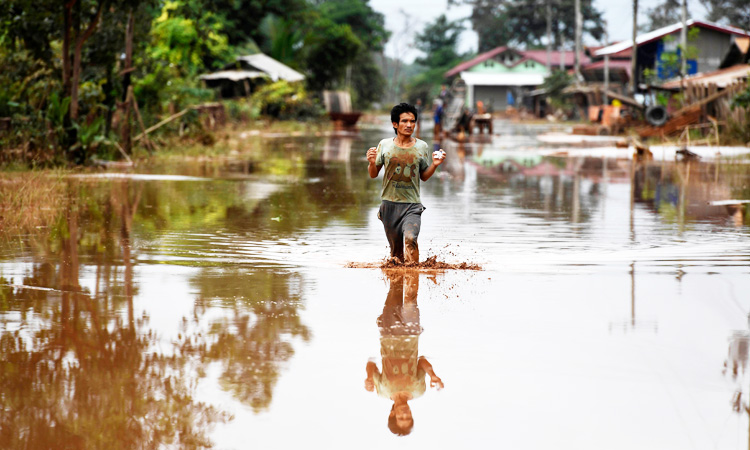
x: 683, y: 40
x: 633, y: 57
x: 579, y: 31
x: 606, y: 65
x: 562, y: 51
x: 549, y: 36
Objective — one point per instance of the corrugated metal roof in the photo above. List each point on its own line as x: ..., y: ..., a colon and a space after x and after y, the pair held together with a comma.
x: 661, y: 32
x: 274, y: 69
x: 614, y: 64
x: 720, y: 78
x: 539, y: 56
x: 234, y: 75
x: 473, y: 62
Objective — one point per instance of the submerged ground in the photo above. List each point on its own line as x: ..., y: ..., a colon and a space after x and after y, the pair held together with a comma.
x: 209, y: 303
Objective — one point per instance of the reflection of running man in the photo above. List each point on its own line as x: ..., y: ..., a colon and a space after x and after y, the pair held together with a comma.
x: 403, y: 370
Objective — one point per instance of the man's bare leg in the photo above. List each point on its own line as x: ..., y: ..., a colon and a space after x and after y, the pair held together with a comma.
x: 411, y: 252
x: 412, y: 224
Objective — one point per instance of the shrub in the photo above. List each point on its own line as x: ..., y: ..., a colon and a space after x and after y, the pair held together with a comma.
x: 283, y: 100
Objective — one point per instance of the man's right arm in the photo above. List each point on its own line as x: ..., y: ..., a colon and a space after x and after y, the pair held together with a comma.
x: 372, y: 168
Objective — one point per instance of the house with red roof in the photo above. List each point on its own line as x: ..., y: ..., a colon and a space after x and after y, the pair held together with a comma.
x: 712, y: 44
x: 506, y: 74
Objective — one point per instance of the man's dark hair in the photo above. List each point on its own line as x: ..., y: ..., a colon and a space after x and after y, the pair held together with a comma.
x: 393, y: 424
x: 400, y: 109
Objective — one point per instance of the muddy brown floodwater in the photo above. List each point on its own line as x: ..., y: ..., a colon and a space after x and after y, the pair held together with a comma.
x: 199, y: 304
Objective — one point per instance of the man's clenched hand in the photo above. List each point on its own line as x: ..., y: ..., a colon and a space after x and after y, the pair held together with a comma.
x: 372, y: 154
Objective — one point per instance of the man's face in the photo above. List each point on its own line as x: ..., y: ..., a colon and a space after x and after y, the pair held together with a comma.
x: 406, y: 124
x: 403, y: 416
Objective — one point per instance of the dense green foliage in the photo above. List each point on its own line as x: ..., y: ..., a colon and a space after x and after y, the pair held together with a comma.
x: 68, y: 66
x: 524, y: 22
x: 439, y: 44
x: 554, y: 84
x: 666, y: 13
x: 730, y: 12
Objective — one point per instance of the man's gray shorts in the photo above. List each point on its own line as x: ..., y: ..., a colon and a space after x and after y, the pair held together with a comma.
x: 401, y: 222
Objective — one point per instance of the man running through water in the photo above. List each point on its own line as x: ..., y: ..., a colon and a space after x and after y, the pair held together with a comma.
x: 407, y: 160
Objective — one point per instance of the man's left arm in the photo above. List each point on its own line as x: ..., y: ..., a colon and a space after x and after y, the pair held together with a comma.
x: 437, y: 159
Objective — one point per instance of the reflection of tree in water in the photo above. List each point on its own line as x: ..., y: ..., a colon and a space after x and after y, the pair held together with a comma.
x: 83, y: 371
x: 80, y: 371
x: 253, y: 342
x: 324, y: 194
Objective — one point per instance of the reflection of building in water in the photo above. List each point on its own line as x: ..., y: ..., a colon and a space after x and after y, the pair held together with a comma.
x: 402, y: 374
x: 692, y: 190
x: 339, y: 149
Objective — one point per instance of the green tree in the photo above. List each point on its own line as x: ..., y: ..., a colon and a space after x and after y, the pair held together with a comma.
x: 438, y: 42
x: 489, y: 21
x: 283, y: 39
x: 30, y: 25
x: 242, y: 18
x: 554, y: 84
x: 328, y: 49
x: 369, y: 26
x: 367, y: 80
x: 730, y: 12
x: 523, y: 22
x: 365, y: 22
x: 666, y: 13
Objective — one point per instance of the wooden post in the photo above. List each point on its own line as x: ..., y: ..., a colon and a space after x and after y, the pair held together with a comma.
x: 127, y: 142
x: 131, y: 99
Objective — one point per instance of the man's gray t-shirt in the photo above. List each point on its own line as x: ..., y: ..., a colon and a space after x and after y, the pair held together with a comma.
x: 403, y: 167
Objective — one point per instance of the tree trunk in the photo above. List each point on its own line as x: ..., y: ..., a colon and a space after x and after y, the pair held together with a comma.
x: 75, y: 79
x: 549, y: 36
x: 67, y: 22
x: 127, y: 69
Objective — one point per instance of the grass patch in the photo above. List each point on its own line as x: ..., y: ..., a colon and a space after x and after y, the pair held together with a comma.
x: 232, y: 139
x: 30, y: 201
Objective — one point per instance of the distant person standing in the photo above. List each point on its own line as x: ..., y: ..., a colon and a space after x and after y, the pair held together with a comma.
x: 444, y: 93
x: 438, y: 117
x: 510, y: 99
x: 407, y: 161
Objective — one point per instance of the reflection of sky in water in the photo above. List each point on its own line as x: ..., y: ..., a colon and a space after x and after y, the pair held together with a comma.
x: 592, y: 326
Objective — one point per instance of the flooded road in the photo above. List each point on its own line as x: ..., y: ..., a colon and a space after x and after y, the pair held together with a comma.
x: 207, y: 303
